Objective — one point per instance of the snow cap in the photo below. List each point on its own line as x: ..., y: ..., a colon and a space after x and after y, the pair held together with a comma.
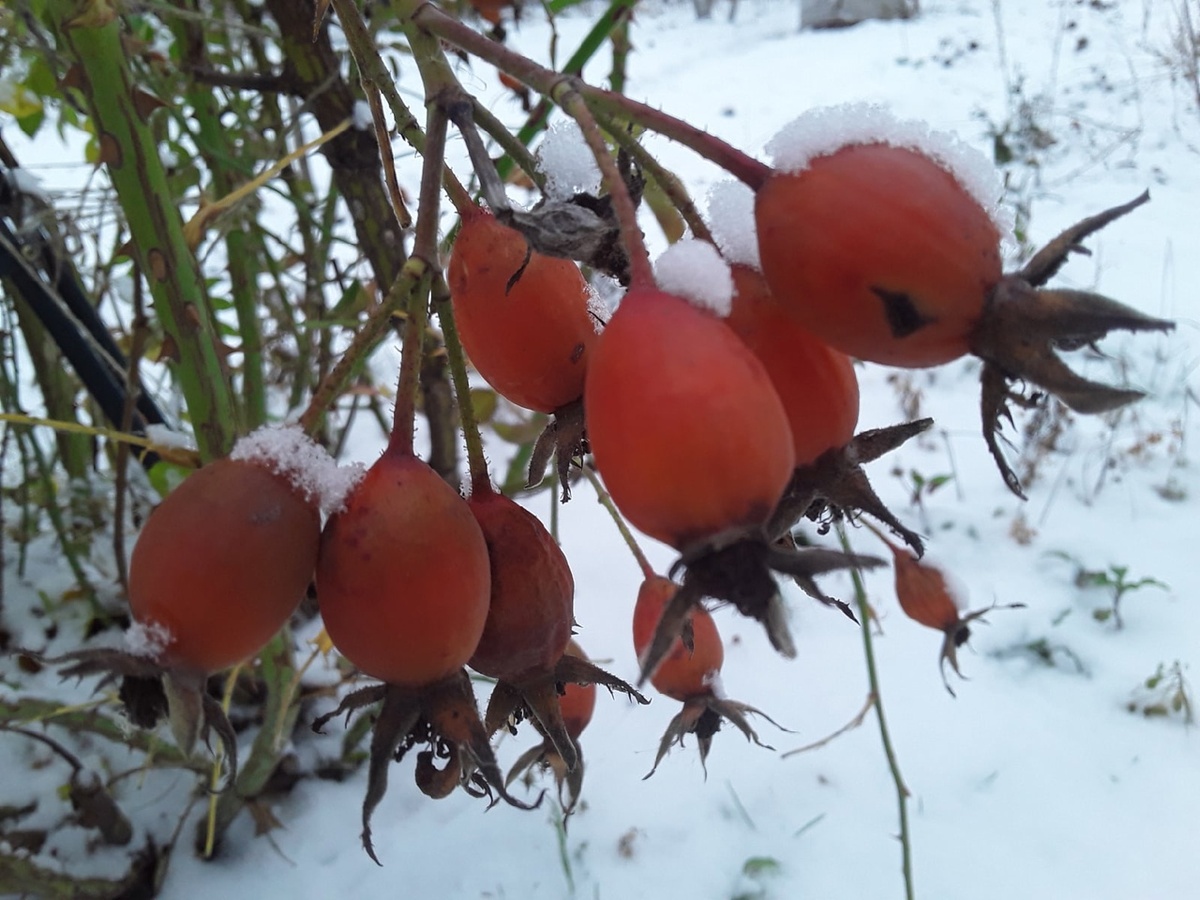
x: 148, y: 639
x: 286, y: 450
x: 824, y: 130
x: 731, y: 218
x: 567, y: 162
x: 695, y: 271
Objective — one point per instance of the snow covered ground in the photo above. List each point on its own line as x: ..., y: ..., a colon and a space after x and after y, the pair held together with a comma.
x: 1038, y: 780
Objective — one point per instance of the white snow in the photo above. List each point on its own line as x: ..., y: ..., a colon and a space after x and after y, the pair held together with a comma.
x: 731, y: 219
x: 1037, y: 782
x: 25, y: 182
x: 361, y: 117
x: 823, y: 130
x: 286, y: 450
x: 164, y: 436
x: 694, y: 270
x: 147, y: 639
x: 567, y: 162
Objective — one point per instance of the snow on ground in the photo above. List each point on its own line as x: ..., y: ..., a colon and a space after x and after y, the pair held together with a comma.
x: 1036, y: 781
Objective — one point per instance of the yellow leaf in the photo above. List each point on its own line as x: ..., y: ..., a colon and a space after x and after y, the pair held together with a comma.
x: 322, y: 642
x: 18, y: 101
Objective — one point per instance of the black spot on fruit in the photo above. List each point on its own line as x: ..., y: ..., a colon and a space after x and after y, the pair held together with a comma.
x: 903, y: 317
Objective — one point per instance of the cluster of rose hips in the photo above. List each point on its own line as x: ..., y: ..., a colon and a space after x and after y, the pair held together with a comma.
x: 717, y: 414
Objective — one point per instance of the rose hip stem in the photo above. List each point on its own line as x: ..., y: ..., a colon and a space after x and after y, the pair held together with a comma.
x: 640, y: 272
x: 606, y: 500
x: 424, y: 254
x: 741, y: 165
x: 476, y: 461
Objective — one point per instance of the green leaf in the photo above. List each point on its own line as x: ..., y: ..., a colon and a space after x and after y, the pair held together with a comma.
x: 41, y: 79
x: 165, y: 476
x: 761, y: 867
x: 31, y: 124
x: 484, y: 402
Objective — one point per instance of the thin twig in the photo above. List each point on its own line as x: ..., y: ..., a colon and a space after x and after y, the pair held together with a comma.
x: 667, y: 180
x: 858, y: 719
x: 425, y: 251
x: 374, y: 100
x: 374, y: 72
x: 605, y: 499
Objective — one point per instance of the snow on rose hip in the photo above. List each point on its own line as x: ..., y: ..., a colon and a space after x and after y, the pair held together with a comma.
x: 880, y: 237
x: 217, y: 570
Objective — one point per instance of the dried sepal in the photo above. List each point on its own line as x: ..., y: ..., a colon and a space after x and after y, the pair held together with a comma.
x: 438, y: 783
x: 536, y: 697
x: 442, y: 715
x: 396, y: 720
x: 702, y: 716
x: 564, y: 439
x: 150, y: 692
x: 583, y: 228
x: 836, y: 479
x: 804, y: 563
x: 957, y: 635
x: 1044, y: 264
x: 568, y: 782
x: 736, y: 568
x: 1024, y: 324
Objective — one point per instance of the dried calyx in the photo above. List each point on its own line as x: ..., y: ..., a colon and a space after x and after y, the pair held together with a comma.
x: 442, y: 716
x: 582, y: 228
x: 1024, y: 323
x: 736, y: 568
x: 835, y: 483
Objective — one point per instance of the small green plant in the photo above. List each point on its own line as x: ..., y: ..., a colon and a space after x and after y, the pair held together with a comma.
x: 1165, y: 694
x: 1045, y: 652
x: 920, y: 487
x: 1114, y: 579
x: 756, y: 874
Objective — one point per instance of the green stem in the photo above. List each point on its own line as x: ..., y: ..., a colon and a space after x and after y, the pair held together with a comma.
x: 277, y: 668
x: 864, y: 614
x: 621, y: 47
x: 374, y: 73
x: 91, y: 36
x: 476, y: 461
x: 228, y: 168
x: 511, y: 144
x: 605, y: 499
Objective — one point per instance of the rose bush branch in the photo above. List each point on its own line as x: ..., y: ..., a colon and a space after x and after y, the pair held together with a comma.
x: 613, y: 105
